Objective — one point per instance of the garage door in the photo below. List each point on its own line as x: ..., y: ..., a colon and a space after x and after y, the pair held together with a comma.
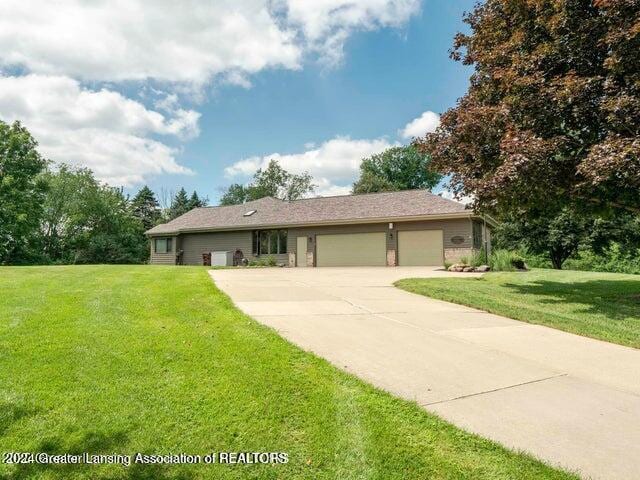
x: 422, y: 247
x: 352, y: 249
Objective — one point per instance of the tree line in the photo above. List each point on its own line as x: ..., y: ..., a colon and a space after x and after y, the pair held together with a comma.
x: 66, y: 215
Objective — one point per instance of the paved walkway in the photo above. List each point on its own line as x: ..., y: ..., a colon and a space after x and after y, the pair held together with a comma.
x: 569, y: 400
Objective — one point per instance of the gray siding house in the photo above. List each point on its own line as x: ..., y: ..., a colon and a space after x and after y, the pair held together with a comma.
x: 411, y: 227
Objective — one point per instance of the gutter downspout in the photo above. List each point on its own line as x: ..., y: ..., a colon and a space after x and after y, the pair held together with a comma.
x: 484, y: 235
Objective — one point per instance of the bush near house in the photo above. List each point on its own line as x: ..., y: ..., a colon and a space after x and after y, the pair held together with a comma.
x: 500, y: 260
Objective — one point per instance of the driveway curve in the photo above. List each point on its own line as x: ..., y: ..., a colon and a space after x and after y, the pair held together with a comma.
x: 569, y: 400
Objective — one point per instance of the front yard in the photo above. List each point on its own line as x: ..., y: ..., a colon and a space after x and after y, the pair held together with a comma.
x: 605, y: 306
x: 126, y: 359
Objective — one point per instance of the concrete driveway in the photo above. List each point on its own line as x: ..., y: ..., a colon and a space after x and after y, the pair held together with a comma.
x: 569, y: 400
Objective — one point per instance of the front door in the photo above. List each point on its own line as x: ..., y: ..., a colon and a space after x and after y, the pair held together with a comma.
x: 301, y: 251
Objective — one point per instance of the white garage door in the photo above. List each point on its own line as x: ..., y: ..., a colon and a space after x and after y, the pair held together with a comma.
x: 421, y: 247
x: 351, y: 249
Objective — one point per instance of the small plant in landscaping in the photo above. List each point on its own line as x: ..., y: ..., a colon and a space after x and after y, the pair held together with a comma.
x: 501, y: 260
x: 478, y: 258
x: 269, y: 261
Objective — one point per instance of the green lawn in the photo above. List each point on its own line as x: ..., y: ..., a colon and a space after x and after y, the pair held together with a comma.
x: 605, y: 306
x: 125, y: 359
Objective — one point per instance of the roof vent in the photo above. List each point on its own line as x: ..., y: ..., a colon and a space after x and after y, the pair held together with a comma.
x: 249, y: 213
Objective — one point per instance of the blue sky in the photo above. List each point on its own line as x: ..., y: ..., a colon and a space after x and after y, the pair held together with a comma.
x: 321, y: 90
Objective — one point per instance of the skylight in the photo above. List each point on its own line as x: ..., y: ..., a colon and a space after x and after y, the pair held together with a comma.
x: 249, y: 213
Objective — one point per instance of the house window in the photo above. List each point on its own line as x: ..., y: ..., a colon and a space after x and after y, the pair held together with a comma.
x: 162, y: 245
x: 477, y: 235
x: 269, y: 242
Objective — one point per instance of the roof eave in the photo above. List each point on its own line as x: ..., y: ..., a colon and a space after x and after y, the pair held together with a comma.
x: 406, y: 218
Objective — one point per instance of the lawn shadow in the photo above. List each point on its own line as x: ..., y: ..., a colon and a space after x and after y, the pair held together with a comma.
x: 14, y: 411
x: 615, y: 299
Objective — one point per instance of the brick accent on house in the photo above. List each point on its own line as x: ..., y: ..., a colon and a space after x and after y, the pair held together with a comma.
x: 454, y: 254
x: 310, y: 259
x: 292, y: 259
x: 391, y: 258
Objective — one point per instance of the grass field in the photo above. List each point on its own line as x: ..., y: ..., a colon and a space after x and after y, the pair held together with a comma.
x: 605, y: 306
x: 126, y: 359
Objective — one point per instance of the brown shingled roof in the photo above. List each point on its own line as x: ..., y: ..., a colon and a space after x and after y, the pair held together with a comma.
x: 271, y: 212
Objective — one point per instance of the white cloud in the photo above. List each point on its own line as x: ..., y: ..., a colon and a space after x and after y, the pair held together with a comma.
x: 324, y: 188
x: 334, y: 164
x: 419, y: 127
x: 141, y: 39
x: 103, y: 130
x: 326, y: 24
x: 63, y: 47
x: 185, y: 41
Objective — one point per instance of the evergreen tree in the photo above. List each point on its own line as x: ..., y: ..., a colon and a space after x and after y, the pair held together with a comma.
x: 179, y: 205
x: 196, y: 202
x: 145, y: 207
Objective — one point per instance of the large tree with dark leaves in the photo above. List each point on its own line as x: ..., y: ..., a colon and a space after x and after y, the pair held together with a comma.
x: 552, y: 116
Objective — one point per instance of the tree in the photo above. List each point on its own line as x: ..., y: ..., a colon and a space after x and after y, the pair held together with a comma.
x: 196, y: 202
x: 85, y: 221
x: 369, y: 182
x: 236, y: 194
x: 397, y: 168
x: 551, y: 119
x: 146, y: 208
x: 64, y: 210
x: 297, y: 186
x: 274, y: 181
x: 558, y: 236
x: 179, y: 204
x: 561, y: 236
x: 21, y: 191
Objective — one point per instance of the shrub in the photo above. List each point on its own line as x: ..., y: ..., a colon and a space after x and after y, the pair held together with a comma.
x: 501, y: 261
x: 614, y: 260
x: 478, y: 258
x: 518, y: 261
x: 269, y: 261
x: 536, y: 260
